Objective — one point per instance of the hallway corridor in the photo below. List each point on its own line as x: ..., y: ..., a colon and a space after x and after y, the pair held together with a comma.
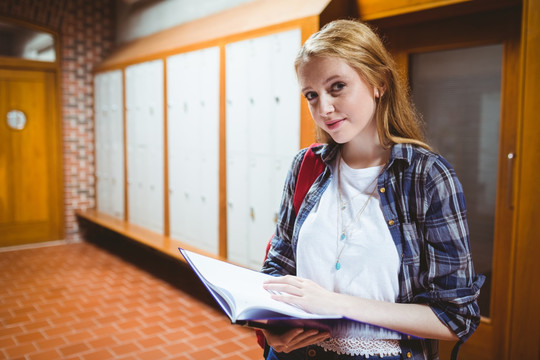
x: 86, y: 301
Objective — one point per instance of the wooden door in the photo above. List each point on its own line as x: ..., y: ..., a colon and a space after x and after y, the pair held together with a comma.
x: 31, y: 206
x: 476, y: 131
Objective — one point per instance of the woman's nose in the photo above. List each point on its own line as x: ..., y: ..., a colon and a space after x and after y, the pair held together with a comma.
x: 326, y: 106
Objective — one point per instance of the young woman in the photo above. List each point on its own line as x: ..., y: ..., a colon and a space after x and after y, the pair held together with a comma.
x: 381, y: 236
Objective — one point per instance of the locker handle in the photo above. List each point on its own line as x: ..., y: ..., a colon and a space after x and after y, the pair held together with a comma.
x: 252, y: 213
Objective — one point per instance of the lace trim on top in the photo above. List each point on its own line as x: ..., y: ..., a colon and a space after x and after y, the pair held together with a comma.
x: 362, y: 346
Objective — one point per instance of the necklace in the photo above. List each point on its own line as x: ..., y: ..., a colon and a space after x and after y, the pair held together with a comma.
x: 343, y: 236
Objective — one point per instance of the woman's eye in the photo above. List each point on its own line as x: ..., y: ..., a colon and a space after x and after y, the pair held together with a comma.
x: 310, y: 95
x: 338, y: 86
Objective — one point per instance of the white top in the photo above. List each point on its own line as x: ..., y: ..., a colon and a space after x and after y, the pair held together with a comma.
x: 369, y: 261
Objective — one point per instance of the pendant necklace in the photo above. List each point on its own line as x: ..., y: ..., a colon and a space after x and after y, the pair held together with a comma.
x: 341, y: 206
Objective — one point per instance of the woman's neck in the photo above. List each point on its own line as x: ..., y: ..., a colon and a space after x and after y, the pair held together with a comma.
x: 359, y: 155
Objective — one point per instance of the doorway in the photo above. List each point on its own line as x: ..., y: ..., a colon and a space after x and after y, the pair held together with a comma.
x: 31, y: 201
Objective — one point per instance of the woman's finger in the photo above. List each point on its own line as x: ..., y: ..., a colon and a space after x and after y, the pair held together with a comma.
x: 294, y: 339
x: 283, y: 288
x: 287, y: 279
x: 310, y: 340
x: 280, y: 339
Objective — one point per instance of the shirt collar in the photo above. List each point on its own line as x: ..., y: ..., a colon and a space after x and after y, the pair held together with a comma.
x: 399, y: 152
x: 402, y: 152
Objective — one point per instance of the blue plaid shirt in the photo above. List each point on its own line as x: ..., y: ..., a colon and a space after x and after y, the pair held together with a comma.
x: 424, y: 207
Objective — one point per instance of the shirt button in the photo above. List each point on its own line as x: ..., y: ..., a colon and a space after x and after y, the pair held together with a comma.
x: 409, y: 355
x: 390, y: 222
x: 382, y: 190
x: 311, y: 353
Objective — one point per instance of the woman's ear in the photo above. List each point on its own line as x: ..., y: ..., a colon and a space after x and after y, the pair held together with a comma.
x: 379, y: 91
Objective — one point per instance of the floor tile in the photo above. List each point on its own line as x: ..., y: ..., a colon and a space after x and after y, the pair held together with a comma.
x: 121, y: 301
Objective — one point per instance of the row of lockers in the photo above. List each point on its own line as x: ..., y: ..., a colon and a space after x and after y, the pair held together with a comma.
x: 262, y: 135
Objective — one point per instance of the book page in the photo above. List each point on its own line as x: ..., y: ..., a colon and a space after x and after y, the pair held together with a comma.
x: 246, y: 287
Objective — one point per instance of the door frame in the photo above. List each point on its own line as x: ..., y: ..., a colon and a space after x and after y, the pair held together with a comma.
x: 500, y: 26
x: 54, y: 68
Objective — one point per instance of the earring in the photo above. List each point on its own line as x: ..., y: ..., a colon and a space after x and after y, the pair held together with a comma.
x: 377, y: 93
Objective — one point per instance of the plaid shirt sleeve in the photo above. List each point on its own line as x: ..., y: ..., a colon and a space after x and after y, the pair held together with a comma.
x: 451, y: 286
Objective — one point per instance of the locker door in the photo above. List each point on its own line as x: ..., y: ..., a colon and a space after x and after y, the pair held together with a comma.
x: 117, y: 145
x: 260, y: 95
x: 237, y: 98
x: 191, y: 145
x: 174, y: 65
x: 261, y: 212
x: 106, y: 146
x: 99, y: 123
x: 138, y: 200
x: 287, y: 108
x: 154, y: 168
x: 208, y: 164
x: 132, y: 141
x: 237, y: 208
x: 237, y: 150
x: 286, y: 93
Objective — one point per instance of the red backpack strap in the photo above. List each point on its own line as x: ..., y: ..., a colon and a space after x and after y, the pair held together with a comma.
x: 310, y: 169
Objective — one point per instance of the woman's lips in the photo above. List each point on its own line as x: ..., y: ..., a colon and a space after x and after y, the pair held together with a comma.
x: 334, y: 124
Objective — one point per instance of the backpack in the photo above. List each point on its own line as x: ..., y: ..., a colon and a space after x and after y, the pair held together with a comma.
x: 310, y: 169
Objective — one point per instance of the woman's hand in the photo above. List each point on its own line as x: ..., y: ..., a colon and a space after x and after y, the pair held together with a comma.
x: 294, y: 339
x: 302, y: 293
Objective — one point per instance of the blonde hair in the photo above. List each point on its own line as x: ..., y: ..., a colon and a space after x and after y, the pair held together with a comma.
x: 355, y: 43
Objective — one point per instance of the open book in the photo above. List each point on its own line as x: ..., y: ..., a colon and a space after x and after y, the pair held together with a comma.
x: 239, y: 292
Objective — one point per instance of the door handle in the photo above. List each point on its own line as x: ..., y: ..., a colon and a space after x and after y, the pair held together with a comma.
x: 510, y: 179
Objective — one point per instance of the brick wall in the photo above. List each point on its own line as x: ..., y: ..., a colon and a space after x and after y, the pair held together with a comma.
x: 86, y: 32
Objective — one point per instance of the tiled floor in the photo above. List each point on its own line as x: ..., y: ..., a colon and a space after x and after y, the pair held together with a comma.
x: 82, y: 301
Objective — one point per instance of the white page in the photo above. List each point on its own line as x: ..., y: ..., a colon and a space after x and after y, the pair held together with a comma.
x: 245, y: 285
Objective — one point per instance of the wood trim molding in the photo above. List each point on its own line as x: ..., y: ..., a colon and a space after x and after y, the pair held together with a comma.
x: 524, y: 341
x: 248, y: 20
x: 376, y: 9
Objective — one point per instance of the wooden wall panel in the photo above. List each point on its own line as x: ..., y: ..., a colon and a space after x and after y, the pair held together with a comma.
x: 524, y: 330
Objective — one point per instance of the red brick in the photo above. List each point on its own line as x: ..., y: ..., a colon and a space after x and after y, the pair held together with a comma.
x: 51, y: 343
x: 20, y: 350
x: 124, y: 349
x: 74, y: 349
x: 29, y: 337
x: 101, y: 354
x: 45, y: 355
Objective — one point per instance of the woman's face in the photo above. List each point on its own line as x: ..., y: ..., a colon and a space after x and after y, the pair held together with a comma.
x: 340, y: 101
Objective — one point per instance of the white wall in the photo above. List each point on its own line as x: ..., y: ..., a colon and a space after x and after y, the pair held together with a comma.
x: 139, y: 18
